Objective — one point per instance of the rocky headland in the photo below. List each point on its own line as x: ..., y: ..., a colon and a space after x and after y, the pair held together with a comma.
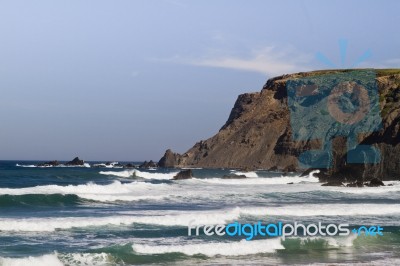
x: 258, y: 135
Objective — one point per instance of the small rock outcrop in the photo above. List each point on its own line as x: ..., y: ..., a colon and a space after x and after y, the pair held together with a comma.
x: 129, y: 165
x: 375, y: 182
x: 49, y: 164
x: 75, y: 162
x: 169, y: 159
x: 147, y: 164
x: 184, y: 174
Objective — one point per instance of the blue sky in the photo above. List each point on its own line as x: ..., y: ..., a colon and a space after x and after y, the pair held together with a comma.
x: 125, y: 80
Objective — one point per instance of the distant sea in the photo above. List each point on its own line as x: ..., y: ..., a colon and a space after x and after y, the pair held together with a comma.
x: 106, y: 216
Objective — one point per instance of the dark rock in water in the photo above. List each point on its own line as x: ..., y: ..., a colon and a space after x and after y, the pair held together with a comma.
x: 147, y: 164
x: 76, y: 162
x: 290, y: 168
x: 169, y: 159
x: 390, y: 185
x: 129, y: 165
x: 355, y: 184
x: 247, y: 169
x: 291, y: 183
x: 333, y: 184
x: 184, y: 174
x: 47, y: 164
x: 273, y: 168
x: 233, y: 176
x: 375, y: 182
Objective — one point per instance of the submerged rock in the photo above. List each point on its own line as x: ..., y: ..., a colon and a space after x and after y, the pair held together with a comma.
x: 184, y: 174
x: 233, y: 176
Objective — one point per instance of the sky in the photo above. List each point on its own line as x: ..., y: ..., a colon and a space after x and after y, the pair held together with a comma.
x: 125, y: 80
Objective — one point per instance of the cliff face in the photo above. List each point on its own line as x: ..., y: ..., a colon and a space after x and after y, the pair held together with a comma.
x: 258, y: 134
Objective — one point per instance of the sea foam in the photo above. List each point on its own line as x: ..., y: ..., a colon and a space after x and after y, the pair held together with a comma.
x: 112, y: 192
x: 184, y: 218
x: 239, y: 248
x: 45, y: 260
x: 142, y: 174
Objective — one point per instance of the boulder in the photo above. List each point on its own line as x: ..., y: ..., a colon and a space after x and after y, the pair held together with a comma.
x: 375, y: 182
x: 184, y: 174
x: 290, y: 169
x: 75, y: 162
x: 129, y: 165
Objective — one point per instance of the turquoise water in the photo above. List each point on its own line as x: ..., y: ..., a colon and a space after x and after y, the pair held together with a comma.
x: 99, y: 216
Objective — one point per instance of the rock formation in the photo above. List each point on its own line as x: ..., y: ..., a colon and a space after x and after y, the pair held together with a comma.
x: 184, y: 174
x: 49, y: 164
x: 258, y: 135
x: 147, y: 164
x: 75, y: 162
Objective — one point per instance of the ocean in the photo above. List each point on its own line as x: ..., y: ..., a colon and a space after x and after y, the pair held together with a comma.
x: 106, y: 216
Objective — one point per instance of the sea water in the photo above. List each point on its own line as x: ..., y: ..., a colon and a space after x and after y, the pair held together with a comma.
x: 103, y: 216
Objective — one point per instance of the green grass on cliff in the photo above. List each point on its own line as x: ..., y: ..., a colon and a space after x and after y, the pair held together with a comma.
x: 379, y: 72
x: 387, y: 72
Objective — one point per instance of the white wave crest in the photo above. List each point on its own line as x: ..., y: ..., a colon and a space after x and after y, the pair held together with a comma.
x: 394, y: 187
x: 247, y: 174
x: 337, y: 241
x: 87, y: 165
x: 324, y: 210
x: 282, y: 180
x: 49, y: 259
x: 112, y: 192
x: 240, y: 248
x: 142, y: 174
x: 168, y: 219
x: 56, y: 259
x: 25, y: 165
x: 176, y: 218
x: 92, y: 259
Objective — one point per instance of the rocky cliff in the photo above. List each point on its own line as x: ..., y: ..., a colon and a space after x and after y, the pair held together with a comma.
x: 258, y: 134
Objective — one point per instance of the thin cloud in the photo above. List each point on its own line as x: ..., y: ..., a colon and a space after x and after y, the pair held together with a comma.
x: 268, y: 61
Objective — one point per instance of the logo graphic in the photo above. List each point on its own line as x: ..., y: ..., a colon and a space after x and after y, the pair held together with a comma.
x: 330, y: 104
x: 261, y: 229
